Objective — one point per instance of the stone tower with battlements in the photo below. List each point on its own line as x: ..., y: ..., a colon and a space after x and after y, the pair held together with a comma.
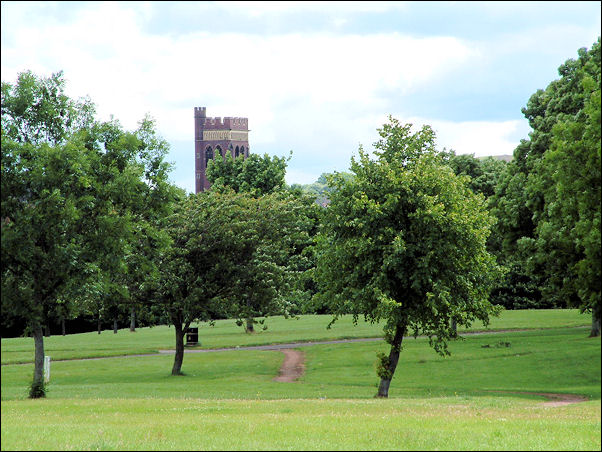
x: 213, y: 137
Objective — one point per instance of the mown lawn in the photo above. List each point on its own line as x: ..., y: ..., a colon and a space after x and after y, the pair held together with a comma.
x: 471, y: 423
x: 228, y: 400
x: 225, y: 333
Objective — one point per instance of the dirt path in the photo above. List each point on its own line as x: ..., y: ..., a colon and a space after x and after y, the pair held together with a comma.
x: 292, y: 367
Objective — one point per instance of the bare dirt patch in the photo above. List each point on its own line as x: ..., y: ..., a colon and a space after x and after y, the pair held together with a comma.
x: 554, y: 399
x: 292, y: 367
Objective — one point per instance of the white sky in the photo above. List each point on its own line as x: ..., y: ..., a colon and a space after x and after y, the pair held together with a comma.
x: 317, y: 78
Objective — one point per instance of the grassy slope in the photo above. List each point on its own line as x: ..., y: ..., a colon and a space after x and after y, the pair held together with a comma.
x: 556, y: 360
x: 226, y: 334
x: 227, y: 400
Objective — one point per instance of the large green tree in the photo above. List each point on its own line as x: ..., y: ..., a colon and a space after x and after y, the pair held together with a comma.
x: 72, y: 191
x: 404, y: 241
x: 44, y: 195
x: 277, y: 279
x: 537, y: 254
x: 567, y: 243
x: 290, y: 218
x: 539, y: 200
x: 221, y: 254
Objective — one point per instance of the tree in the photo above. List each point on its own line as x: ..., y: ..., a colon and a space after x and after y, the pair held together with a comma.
x: 44, y: 196
x: 213, y: 238
x: 567, y: 246
x: 404, y: 242
x: 288, y: 222
x: 255, y: 174
x: 277, y: 277
x: 44, y: 189
x: 534, y: 248
x: 72, y: 190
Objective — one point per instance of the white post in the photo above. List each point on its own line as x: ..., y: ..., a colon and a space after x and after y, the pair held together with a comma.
x: 46, y: 369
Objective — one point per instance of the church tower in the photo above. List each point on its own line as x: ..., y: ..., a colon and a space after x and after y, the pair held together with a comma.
x: 213, y: 137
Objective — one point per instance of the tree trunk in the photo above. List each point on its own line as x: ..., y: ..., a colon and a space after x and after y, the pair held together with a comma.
x: 37, y: 386
x: 47, y: 330
x: 63, y: 329
x: 133, y: 319
x: 383, y: 388
x: 98, y: 323
x: 454, y: 326
x: 179, y: 356
x: 114, y: 325
x: 250, y: 328
x: 595, y: 322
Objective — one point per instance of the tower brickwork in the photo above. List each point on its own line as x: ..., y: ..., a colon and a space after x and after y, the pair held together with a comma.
x: 213, y: 137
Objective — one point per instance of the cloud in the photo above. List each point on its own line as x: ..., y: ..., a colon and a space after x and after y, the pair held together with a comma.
x: 319, y: 93
x: 106, y: 55
x: 481, y: 138
x: 260, y: 8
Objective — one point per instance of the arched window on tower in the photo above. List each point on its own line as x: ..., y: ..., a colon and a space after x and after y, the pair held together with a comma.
x: 219, y: 149
x: 236, y: 152
x: 208, y: 155
x: 242, y: 151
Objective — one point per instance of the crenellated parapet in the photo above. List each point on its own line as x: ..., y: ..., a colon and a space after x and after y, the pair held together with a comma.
x: 228, y: 123
x: 217, y: 136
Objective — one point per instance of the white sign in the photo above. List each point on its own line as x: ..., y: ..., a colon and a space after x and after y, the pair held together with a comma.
x: 46, y: 369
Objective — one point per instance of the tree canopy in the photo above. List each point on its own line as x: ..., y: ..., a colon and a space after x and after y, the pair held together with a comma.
x: 404, y: 241
x: 547, y: 202
x: 255, y: 174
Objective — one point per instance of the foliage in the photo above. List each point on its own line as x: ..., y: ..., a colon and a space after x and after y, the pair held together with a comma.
x: 484, y: 173
x: 404, y: 241
x: 228, y: 256
x: 320, y: 189
x: 283, y: 284
x: 255, y: 174
x: 36, y: 110
x: 547, y: 203
x: 72, y: 192
x: 518, y: 290
x: 278, y: 280
x: 567, y: 246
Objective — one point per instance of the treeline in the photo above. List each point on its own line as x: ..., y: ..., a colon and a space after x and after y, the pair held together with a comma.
x: 421, y: 239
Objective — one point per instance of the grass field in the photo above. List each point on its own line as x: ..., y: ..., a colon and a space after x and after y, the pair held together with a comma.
x: 225, y: 333
x: 228, y: 400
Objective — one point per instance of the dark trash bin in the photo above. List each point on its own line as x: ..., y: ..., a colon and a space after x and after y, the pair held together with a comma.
x: 192, y: 336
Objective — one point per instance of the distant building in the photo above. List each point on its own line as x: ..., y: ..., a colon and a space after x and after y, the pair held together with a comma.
x: 213, y: 137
